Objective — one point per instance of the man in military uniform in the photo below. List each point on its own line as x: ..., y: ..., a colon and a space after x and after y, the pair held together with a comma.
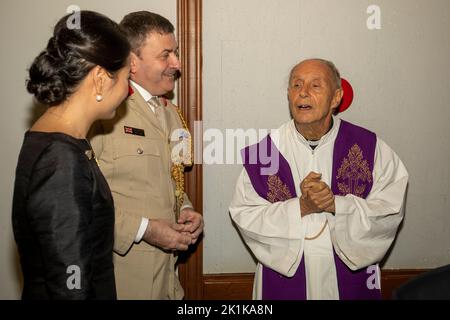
x: 136, y: 153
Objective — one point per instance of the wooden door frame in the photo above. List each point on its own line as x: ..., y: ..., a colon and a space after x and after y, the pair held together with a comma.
x: 189, y: 28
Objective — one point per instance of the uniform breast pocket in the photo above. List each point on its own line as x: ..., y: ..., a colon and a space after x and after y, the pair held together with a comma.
x: 137, y: 163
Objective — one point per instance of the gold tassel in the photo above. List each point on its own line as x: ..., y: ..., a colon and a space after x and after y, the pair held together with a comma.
x: 177, y: 170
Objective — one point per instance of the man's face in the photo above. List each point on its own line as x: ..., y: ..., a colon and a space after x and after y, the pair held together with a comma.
x: 157, y: 66
x: 312, y: 94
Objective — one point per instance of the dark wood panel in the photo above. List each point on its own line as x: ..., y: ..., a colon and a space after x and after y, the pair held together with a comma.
x: 238, y: 286
x: 392, y: 279
x: 189, y: 16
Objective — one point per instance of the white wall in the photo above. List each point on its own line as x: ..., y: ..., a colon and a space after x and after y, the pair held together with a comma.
x: 25, y: 27
x: 401, y: 77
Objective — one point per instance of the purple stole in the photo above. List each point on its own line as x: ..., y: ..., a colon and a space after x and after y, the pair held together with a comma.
x: 353, y: 159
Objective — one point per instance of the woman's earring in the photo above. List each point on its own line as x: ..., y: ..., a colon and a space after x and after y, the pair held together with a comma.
x: 99, y: 98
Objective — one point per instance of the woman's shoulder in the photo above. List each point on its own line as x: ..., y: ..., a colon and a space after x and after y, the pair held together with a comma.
x: 44, y: 140
x: 46, y: 149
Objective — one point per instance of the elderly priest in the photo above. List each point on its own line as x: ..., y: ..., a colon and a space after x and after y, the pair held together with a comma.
x: 319, y: 200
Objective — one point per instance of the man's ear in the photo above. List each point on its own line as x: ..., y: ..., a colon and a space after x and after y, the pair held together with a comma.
x: 134, y: 62
x: 338, y: 94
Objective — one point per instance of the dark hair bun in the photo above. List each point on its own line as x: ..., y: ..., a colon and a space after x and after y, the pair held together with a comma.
x: 46, y: 81
x: 72, y: 53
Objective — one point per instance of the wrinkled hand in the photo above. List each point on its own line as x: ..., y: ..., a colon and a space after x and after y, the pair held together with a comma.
x: 193, y: 222
x: 316, y: 195
x: 167, y: 235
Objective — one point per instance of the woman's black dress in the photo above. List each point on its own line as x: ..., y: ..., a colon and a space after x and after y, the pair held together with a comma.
x: 63, y: 220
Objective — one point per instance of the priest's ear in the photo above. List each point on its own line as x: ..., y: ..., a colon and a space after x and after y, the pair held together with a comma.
x: 336, y: 101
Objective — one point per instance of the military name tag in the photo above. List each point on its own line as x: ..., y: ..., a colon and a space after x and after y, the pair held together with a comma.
x: 134, y: 131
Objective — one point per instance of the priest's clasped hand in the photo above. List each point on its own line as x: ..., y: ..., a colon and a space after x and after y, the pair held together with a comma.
x: 316, y: 195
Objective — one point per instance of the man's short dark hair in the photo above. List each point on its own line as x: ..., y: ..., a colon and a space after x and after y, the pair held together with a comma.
x: 137, y: 26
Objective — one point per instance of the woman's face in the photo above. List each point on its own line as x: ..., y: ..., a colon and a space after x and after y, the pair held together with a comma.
x: 115, y: 91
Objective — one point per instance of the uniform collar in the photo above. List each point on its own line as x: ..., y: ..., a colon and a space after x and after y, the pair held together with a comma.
x: 144, y: 93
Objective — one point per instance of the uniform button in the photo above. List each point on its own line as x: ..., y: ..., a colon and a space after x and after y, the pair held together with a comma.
x: 140, y: 151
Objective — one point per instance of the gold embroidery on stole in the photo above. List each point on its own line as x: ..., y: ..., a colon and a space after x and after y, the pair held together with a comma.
x: 278, y: 191
x: 354, y: 172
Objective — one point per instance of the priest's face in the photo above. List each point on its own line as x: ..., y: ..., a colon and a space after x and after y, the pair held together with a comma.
x: 313, y: 95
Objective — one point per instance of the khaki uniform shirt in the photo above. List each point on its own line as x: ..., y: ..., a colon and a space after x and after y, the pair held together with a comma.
x: 135, y: 156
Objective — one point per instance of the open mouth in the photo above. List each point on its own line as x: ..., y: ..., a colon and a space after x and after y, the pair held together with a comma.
x: 304, y: 107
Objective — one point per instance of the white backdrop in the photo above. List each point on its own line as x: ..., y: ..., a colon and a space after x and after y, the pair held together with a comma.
x: 400, y: 74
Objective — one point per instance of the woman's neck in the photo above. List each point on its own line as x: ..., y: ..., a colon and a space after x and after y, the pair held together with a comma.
x: 66, y: 118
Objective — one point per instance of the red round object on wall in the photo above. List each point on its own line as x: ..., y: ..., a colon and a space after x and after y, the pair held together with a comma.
x: 347, y: 98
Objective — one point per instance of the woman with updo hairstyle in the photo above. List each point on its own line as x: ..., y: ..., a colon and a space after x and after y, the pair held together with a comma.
x: 63, y: 212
